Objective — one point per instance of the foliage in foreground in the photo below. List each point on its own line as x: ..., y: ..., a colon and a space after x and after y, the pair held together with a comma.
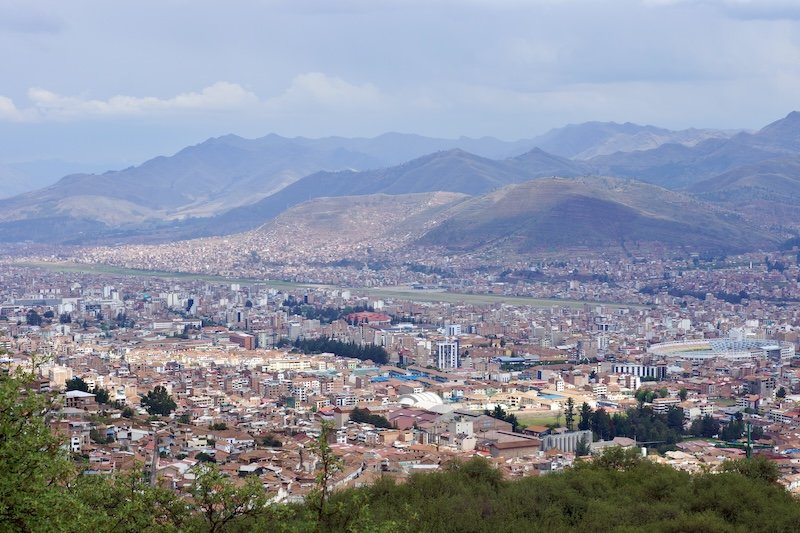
x: 40, y: 490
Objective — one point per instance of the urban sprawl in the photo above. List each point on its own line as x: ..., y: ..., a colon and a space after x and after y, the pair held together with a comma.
x: 410, y: 366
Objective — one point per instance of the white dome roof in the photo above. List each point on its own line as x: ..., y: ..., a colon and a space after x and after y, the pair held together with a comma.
x: 421, y: 400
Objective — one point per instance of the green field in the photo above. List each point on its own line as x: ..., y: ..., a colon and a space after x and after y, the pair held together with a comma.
x: 381, y: 292
x: 537, y: 419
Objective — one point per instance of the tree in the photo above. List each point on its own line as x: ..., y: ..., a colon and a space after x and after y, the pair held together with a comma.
x: 77, y: 383
x: 363, y: 416
x: 781, y: 393
x: 158, y: 402
x: 329, y: 464
x: 218, y: 503
x: 127, y: 412
x: 101, y: 396
x: 569, y: 416
x: 586, y: 417
x: 583, y: 449
x: 617, y: 458
x: 32, y: 318
x: 683, y: 394
x: 601, y: 425
x: 757, y: 467
x: 705, y: 426
x: 271, y: 441
x: 34, y: 466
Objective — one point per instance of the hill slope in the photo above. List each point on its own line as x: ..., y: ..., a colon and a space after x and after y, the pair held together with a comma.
x: 590, y: 212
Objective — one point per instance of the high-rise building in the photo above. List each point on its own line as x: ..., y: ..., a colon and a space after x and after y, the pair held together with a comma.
x: 447, y: 354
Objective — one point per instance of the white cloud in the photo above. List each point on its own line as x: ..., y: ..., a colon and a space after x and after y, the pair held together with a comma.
x: 318, y: 89
x: 310, y: 90
x: 47, y: 105
x: 9, y: 111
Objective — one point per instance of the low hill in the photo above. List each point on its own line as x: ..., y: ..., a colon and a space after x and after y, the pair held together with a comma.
x: 590, y: 212
x: 331, y: 229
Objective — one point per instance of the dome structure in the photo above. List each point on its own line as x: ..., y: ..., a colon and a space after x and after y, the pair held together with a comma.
x: 421, y: 400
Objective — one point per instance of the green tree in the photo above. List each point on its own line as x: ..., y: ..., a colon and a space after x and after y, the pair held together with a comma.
x: 218, y: 503
x: 781, y: 393
x: 683, y: 394
x: 585, y: 417
x: 271, y: 441
x: 618, y: 458
x: 583, y: 448
x: 101, y: 396
x: 32, y: 318
x: 34, y: 466
x: 77, y: 383
x: 758, y: 467
x: 329, y: 464
x: 158, y: 402
x: 569, y: 416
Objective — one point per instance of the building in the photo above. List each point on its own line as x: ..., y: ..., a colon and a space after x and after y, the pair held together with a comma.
x: 566, y: 442
x: 657, y: 372
x: 447, y: 355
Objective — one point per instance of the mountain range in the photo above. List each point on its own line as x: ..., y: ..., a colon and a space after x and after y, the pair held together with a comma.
x: 229, y: 184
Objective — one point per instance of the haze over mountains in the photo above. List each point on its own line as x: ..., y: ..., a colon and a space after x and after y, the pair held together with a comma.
x: 230, y: 184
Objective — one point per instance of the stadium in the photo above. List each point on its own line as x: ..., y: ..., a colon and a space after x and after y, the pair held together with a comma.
x: 699, y: 350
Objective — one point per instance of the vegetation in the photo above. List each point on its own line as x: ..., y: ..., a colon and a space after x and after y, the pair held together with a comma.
x: 363, y: 416
x: 77, y: 383
x: 271, y: 441
x: 500, y: 414
x: 158, y: 402
x: 343, y: 349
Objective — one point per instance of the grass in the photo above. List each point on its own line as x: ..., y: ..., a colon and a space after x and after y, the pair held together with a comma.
x: 537, y: 419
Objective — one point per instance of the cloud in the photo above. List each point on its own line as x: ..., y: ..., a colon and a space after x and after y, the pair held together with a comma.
x: 9, y: 111
x: 47, y: 105
x: 312, y: 90
x: 320, y: 90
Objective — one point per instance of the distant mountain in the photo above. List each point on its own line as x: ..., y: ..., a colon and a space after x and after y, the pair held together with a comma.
x: 20, y: 177
x: 220, y: 174
x: 590, y: 139
x: 230, y: 184
x: 451, y: 171
x: 590, y: 212
x: 767, y: 192
x: 677, y: 166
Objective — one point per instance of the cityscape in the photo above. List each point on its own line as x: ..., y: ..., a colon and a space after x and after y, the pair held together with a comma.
x: 399, y: 267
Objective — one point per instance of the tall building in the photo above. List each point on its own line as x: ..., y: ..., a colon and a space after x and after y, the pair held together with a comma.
x: 447, y: 354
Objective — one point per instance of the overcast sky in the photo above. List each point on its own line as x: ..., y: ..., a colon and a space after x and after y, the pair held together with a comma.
x: 121, y: 81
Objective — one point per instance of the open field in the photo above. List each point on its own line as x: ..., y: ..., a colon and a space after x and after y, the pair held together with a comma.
x: 399, y: 293
x: 537, y: 419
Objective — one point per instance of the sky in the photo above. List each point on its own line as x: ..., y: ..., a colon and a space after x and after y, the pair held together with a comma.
x: 117, y: 82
